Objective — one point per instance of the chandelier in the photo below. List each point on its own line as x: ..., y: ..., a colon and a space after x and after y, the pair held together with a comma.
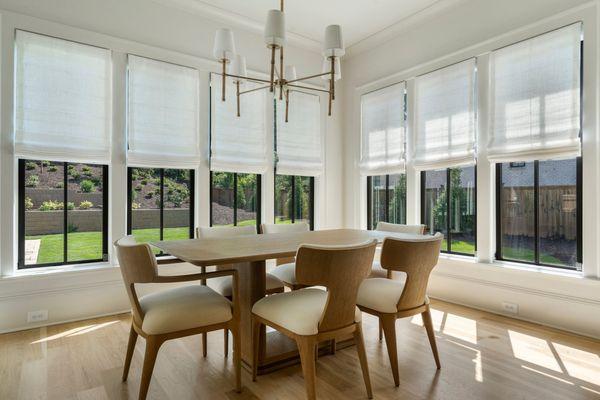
x: 283, y: 80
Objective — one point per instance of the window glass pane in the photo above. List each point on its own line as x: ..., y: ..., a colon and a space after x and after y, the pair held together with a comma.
x: 283, y: 199
x: 222, y: 198
x: 558, y: 212
x: 518, y: 212
x: 247, y: 203
x: 397, y: 192
x: 303, y: 198
x: 462, y: 210
x: 145, y: 204
x: 84, y: 212
x: 176, y: 209
x: 378, y: 190
x: 44, y: 215
x: 434, y: 203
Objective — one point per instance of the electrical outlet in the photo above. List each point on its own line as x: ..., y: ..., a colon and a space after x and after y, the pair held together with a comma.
x: 37, y: 316
x: 511, y: 308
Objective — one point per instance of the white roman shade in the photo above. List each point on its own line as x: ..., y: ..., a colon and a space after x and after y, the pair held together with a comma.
x: 383, y: 131
x: 162, y: 114
x: 299, y: 141
x: 445, y: 117
x: 62, y: 100
x: 238, y: 144
x: 534, y: 101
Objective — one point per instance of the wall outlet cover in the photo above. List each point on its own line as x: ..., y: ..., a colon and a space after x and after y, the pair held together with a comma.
x: 37, y: 316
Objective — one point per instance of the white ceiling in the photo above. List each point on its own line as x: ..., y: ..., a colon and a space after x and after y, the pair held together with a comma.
x: 362, y: 21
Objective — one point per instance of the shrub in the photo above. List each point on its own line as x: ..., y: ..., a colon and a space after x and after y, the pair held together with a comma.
x: 72, y: 228
x: 134, y: 205
x: 70, y: 205
x: 51, y: 205
x: 74, y: 174
x: 144, y: 181
x: 149, y: 195
x: 59, y: 185
x: 96, y: 179
x: 45, y: 163
x: 177, y: 198
x: 52, y: 168
x: 32, y: 181
x: 30, y: 165
x: 28, y: 203
x: 85, y: 205
x: 87, y: 186
x: 138, y: 188
x: 85, y: 168
x: 87, y: 173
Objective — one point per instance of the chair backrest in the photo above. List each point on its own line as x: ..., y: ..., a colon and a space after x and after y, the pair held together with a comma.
x: 138, y: 265
x: 400, y: 228
x: 416, y: 258
x: 284, y: 228
x: 341, y: 269
x: 218, y: 232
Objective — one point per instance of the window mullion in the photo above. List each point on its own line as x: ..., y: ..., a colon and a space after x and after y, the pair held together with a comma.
x: 536, y: 213
x: 369, y: 203
x: 65, y: 222
x: 293, y: 202
x: 448, y: 210
x: 162, y: 205
x: 387, y: 198
x: 235, y: 192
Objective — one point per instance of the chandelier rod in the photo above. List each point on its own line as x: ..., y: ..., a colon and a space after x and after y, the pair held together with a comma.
x: 309, y: 77
x: 308, y: 88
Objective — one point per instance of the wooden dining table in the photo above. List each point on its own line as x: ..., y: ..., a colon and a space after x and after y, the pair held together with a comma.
x: 248, y: 255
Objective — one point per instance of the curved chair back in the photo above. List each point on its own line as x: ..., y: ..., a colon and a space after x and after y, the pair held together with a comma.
x: 400, y: 228
x: 416, y: 258
x: 284, y: 228
x: 138, y: 265
x: 218, y: 232
x: 341, y: 269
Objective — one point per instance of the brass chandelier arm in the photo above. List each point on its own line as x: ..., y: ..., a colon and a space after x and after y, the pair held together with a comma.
x: 309, y: 88
x: 255, y: 89
x: 309, y: 77
x: 244, y: 78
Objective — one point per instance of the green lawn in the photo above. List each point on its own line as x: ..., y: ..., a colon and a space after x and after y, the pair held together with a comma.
x: 460, y: 247
x: 528, y: 255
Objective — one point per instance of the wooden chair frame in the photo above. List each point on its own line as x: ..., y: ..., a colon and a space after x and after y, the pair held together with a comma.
x: 138, y: 265
x: 416, y: 258
x: 321, y: 266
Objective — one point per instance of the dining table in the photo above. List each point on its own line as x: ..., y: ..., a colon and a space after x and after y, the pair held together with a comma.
x: 248, y: 256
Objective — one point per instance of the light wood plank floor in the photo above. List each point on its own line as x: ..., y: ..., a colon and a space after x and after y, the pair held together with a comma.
x: 484, y: 356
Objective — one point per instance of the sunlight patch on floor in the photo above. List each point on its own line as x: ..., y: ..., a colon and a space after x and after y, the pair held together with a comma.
x: 461, y: 328
x: 476, y: 360
x: 74, y: 332
x: 437, y: 317
x: 579, y: 364
x: 545, y: 374
x: 533, y: 350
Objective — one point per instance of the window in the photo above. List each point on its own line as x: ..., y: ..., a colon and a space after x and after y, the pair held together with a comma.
x: 386, y: 199
x: 160, y: 204
x: 235, y: 199
x: 63, y: 216
x: 538, y: 213
x: 453, y: 215
x: 294, y: 199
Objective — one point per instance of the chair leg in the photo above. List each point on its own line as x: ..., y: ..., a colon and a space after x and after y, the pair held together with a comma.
x: 237, y: 357
x: 380, y: 331
x: 359, y: 341
x: 256, y: 326
x: 152, y: 345
x: 306, y: 347
x: 133, y: 335
x: 225, y: 342
x: 204, y: 344
x: 428, y: 323
x: 389, y: 331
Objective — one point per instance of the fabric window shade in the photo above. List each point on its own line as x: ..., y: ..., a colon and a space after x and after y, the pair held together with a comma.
x: 445, y: 117
x: 162, y: 114
x: 299, y: 141
x: 535, y: 98
x: 62, y: 100
x: 383, y: 131
x: 238, y: 144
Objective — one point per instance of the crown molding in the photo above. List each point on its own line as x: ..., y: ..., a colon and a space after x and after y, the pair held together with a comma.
x: 239, y: 21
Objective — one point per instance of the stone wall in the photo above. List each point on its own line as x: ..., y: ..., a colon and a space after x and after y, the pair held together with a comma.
x: 48, y: 222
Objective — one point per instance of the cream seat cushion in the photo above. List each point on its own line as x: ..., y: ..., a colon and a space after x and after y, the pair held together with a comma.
x: 223, y: 286
x: 381, y: 294
x: 299, y: 311
x: 182, y: 308
x: 286, y: 273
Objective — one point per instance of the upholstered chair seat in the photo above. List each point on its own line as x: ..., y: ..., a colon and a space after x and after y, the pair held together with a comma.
x: 381, y: 294
x: 286, y: 273
x: 223, y: 285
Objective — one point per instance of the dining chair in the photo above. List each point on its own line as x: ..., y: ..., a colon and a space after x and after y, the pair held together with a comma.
x: 223, y: 285
x: 311, y: 315
x: 172, y: 313
x: 390, y: 299
x: 286, y: 268
x: 377, y: 271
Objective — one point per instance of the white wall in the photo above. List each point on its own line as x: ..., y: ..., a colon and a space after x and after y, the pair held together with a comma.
x: 472, y: 29
x: 150, y: 29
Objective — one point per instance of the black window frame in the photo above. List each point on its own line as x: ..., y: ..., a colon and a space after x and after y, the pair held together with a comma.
x: 293, y: 203
x: 387, y: 200
x: 448, y: 235
x: 21, y: 217
x: 235, y: 189
x: 536, y: 198
x: 161, y: 209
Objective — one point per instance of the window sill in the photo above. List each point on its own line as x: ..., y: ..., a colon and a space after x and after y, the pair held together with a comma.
x: 45, y: 271
x: 537, y: 268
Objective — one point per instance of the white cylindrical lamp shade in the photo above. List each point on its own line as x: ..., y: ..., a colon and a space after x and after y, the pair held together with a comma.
x: 290, y: 73
x: 224, y: 47
x: 275, y: 28
x: 238, y: 67
x: 333, y: 45
x: 337, y: 69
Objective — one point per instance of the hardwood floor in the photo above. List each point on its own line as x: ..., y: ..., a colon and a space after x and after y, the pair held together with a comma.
x: 483, y: 356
